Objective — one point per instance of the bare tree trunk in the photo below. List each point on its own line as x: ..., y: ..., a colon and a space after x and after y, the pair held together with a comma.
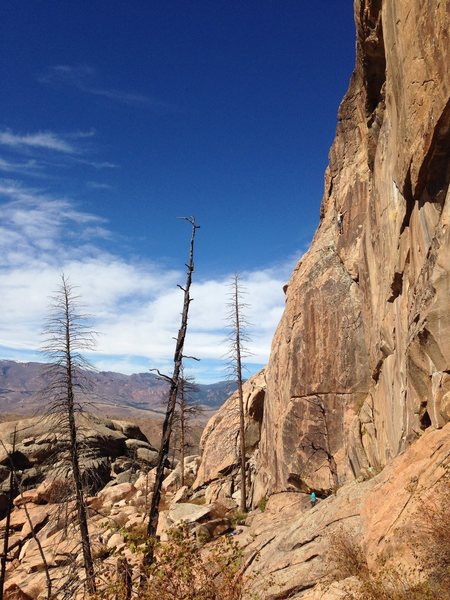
x: 81, y: 506
x: 182, y: 428
x: 173, y: 392
x: 8, y: 521
x: 238, y: 347
x: 124, y: 579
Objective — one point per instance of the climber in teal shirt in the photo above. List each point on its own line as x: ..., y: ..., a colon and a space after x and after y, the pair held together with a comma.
x: 313, y: 499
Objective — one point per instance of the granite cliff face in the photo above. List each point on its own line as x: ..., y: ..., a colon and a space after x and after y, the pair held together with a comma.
x: 360, y: 362
x: 365, y: 335
x: 219, y: 471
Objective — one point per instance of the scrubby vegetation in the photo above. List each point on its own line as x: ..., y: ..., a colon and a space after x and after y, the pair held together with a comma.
x: 430, y: 545
x: 183, y: 570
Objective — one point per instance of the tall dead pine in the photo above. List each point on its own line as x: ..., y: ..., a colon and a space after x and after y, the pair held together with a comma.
x: 9, y: 508
x: 237, y: 338
x: 174, y: 382
x: 66, y: 336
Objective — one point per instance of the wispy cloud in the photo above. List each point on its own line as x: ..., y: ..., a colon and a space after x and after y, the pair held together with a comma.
x: 136, y: 304
x: 93, y: 163
x: 95, y: 185
x: 42, y: 140
x: 83, y: 78
x: 49, y: 153
x: 29, y: 167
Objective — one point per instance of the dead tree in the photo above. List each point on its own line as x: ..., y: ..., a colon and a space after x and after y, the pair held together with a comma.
x: 11, y: 495
x: 124, y: 579
x: 320, y: 444
x: 67, y: 334
x: 237, y: 350
x: 174, y: 382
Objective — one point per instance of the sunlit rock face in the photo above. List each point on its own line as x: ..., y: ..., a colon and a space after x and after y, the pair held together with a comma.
x: 219, y: 471
x: 366, y: 330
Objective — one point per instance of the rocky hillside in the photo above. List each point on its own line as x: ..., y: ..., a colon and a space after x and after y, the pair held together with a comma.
x: 23, y: 385
x: 39, y: 449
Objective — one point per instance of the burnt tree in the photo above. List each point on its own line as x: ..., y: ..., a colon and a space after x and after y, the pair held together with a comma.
x: 237, y: 350
x: 67, y: 334
x: 174, y: 382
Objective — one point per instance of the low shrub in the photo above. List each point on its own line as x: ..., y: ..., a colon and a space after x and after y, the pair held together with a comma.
x: 263, y: 503
x: 430, y: 545
x: 345, y: 557
x: 182, y: 570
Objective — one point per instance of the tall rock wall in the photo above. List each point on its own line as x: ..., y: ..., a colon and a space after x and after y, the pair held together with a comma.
x: 360, y: 363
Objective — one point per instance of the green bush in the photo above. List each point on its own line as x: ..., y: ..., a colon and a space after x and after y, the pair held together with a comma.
x: 263, y: 503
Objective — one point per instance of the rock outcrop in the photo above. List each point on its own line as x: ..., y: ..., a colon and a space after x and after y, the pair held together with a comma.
x: 108, y: 450
x: 219, y: 471
x: 287, y: 546
x: 117, y: 525
x: 360, y: 362
x: 366, y: 330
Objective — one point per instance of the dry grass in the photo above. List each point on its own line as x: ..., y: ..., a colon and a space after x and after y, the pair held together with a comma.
x: 345, y: 556
x: 431, y: 545
x: 433, y: 539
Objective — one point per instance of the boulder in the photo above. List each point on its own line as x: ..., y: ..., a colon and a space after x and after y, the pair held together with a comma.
x: 173, y: 481
x: 181, y: 495
x: 187, y: 513
x: 211, y: 529
x: 110, y: 496
x: 148, y: 456
x: 28, y: 496
x: 121, y: 464
x: 115, y: 541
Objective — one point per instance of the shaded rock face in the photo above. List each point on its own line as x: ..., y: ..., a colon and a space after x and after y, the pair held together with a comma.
x: 366, y: 329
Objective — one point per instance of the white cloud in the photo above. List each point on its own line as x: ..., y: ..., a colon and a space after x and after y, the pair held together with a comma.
x: 30, y: 167
x: 42, y: 140
x: 93, y: 163
x: 135, y: 305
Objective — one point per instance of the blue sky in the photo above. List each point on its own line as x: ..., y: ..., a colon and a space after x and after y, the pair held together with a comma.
x: 117, y: 117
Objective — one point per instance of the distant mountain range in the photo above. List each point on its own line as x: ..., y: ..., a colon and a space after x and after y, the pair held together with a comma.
x: 22, y: 385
